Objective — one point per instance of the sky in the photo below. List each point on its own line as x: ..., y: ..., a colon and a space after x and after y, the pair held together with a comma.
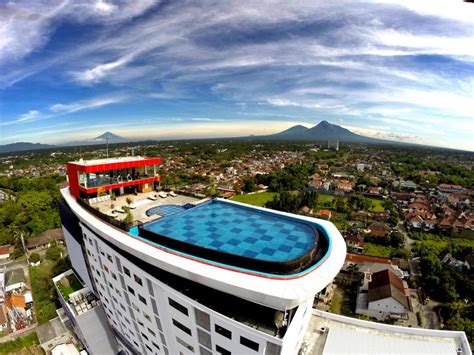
x: 73, y: 69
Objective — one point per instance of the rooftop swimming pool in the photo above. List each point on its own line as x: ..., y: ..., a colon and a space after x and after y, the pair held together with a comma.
x: 165, y: 210
x: 237, y: 235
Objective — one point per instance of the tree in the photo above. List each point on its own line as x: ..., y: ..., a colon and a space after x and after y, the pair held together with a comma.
x: 340, y: 204
x: 249, y: 184
x: 397, y: 240
x: 34, y: 258
x: 53, y: 253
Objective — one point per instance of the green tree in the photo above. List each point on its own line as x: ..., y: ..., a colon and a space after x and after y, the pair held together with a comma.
x: 53, y: 253
x: 249, y: 184
x: 34, y: 258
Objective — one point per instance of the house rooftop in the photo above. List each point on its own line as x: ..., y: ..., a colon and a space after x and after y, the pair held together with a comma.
x: 51, y: 330
x: 386, y: 284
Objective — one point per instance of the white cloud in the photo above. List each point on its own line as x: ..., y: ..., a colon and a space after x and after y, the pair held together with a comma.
x: 86, y: 104
x: 97, y: 73
x: 29, y: 116
x: 26, y: 25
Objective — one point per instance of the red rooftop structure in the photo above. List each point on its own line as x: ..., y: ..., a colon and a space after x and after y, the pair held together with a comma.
x: 91, y: 178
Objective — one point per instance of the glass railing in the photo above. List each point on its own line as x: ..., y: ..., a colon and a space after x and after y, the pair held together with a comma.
x: 91, y: 183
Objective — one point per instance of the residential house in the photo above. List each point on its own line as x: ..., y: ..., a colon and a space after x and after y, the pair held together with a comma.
x: 379, y: 229
x: 344, y: 186
x: 374, y: 190
x: 448, y: 189
x: 52, y: 334
x: 455, y: 263
x: 383, y: 295
x: 408, y: 185
x: 355, y: 243
x: 45, y: 239
x: 14, y: 279
x: 325, y: 214
x: 5, y: 252
x: 361, y: 216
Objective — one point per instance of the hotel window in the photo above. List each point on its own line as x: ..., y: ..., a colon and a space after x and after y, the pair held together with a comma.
x: 183, y: 343
x: 249, y: 343
x: 182, y: 327
x: 126, y: 271
x: 202, y: 319
x: 155, y: 345
x: 148, y: 348
x: 142, y: 299
x: 151, y: 332
x: 144, y: 335
x: 163, y: 339
x: 178, y: 306
x: 131, y: 290
x: 147, y: 317
x: 204, y: 338
x: 204, y: 351
x: 223, y: 331
x: 138, y: 280
x: 221, y: 350
x: 114, y: 276
x: 110, y: 258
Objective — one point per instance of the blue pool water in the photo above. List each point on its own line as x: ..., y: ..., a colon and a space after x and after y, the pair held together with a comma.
x: 164, y: 210
x: 238, y: 230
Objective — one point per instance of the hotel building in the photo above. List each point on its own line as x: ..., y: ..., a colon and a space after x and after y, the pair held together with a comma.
x: 209, y: 277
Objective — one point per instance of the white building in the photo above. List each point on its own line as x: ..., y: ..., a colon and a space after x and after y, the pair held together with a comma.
x: 218, y: 278
x: 383, y: 295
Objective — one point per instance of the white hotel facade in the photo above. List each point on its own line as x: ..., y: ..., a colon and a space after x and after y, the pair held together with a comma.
x: 163, y: 296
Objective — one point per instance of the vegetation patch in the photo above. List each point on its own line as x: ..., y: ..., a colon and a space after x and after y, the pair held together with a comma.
x: 13, y: 346
x: 257, y: 199
x: 378, y: 250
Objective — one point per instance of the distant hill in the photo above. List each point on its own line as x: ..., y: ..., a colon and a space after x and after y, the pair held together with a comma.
x: 323, y: 131
x: 23, y: 146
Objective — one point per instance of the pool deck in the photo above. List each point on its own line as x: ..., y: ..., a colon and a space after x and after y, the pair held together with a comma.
x: 141, y: 203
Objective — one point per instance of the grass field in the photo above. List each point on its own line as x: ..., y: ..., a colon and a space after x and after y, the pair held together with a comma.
x: 377, y: 205
x: 29, y: 341
x: 258, y: 199
x: 377, y: 250
x: 337, y: 301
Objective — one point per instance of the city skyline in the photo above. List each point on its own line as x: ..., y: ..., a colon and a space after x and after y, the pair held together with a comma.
x: 148, y: 69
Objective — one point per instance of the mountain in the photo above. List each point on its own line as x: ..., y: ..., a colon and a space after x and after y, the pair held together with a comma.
x: 112, y: 138
x: 23, y: 146
x: 102, y: 139
x: 323, y: 131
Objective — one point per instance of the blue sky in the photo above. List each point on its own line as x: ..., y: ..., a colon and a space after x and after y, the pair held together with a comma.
x: 70, y: 70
